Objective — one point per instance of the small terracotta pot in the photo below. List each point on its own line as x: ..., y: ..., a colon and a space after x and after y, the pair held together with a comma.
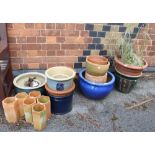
x: 96, y: 69
x: 11, y: 109
x: 28, y: 103
x: 45, y: 100
x: 60, y: 93
x: 129, y: 70
x: 39, y: 116
x: 96, y: 79
x: 35, y: 94
x: 20, y: 97
x: 98, y: 59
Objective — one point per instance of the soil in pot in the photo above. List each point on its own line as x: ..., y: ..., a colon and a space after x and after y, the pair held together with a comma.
x: 45, y: 100
x: 20, y: 97
x: 28, y: 103
x: 11, y: 109
x: 39, y: 117
x: 35, y: 94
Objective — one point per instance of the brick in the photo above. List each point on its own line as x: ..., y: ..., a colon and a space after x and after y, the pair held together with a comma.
x: 99, y: 46
x: 88, y: 40
x: 39, y: 25
x: 122, y: 29
x: 78, y: 65
x: 50, y: 32
x: 33, y: 65
x: 73, y: 46
x: 21, y: 40
x: 51, y: 53
x: 12, y: 39
x: 33, y: 60
x: 31, y: 39
x: 15, y: 66
x: 101, y: 34
x: 86, y: 52
x: 43, y: 66
x: 84, y: 33
x: 91, y: 46
x: 93, y: 33
x: 69, y: 33
x: 51, y: 39
x: 59, y: 59
x: 70, y: 26
x: 60, y: 26
x: 9, y: 26
x: 14, y: 46
x: 24, y: 66
x: 50, y: 26
x: 32, y: 53
x: 106, y: 28
x: 60, y: 39
x: 42, y: 53
x: 74, y: 40
x: 79, y: 26
x: 29, y: 25
x: 13, y: 33
x: 96, y: 40
x: 13, y: 53
x: 19, y: 25
x: 69, y: 65
x: 31, y: 46
x: 81, y: 59
x: 41, y: 39
x: 17, y: 60
x: 98, y: 27
x: 60, y: 52
x: 50, y: 46
x: 29, y: 33
x: 21, y: 54
x: 89, y: 26
x: 151, y: 53
x: 74, y: 52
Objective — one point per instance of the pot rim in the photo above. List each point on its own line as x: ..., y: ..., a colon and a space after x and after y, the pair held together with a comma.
x: 60, y: 93
x: 97, y: 84
x: 21, y: 93
x: 43, y: 96
x: 59, y: 79
x: 96, y: 64
x: 29, y: 73
x: 38, y: 104
x: 131, y: 66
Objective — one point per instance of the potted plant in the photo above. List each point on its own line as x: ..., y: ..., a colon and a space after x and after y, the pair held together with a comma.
x: 129, y: 62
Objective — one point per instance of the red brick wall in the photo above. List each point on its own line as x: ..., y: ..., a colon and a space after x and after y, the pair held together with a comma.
x: 39, y: 46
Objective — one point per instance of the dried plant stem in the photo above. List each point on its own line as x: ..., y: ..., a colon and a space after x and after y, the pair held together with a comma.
x: 140, y: 104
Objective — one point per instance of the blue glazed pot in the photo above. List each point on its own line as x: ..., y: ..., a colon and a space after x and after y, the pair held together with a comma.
x: 95, y: 90
x: 60, y: 78
x: 61, y: 104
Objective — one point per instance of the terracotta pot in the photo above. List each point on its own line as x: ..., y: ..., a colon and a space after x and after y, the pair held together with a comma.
x: 129, y: 70
x: 35, y: 94
x: 39, y: 116
x: 28, y: 103
x: 60, y: 93
x: 20, y: 97
x: 98, y: 59
x: 60, y: 78
x: 45, y: 100
x: 96, y: 69
x: 11, y: 109
x: 96, y: 79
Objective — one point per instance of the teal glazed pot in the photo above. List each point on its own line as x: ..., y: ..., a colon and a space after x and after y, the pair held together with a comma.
x: 125, y: 84
x: 60, y: 78
x: 19, y: 82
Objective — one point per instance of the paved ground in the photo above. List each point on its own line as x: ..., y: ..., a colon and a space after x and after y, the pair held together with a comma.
x: 109, y: 114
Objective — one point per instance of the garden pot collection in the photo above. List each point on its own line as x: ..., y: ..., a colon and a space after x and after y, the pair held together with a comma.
x: 95, y: 81
x: 127, y: 75
x: 60, y: 88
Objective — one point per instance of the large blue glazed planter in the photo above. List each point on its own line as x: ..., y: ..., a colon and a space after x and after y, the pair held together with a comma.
x: 95, y: 90
x: 61, y: 104
x: 22, y: 78
x: 60, y: 78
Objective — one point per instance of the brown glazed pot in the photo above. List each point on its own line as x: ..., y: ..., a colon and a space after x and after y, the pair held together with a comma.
x: 96, y: 79
x: 20, y: 97
x: 28, y: 103
x: 133, y: 71
x: 60, y: 93
x: 35, y: 94
x: 45, y: 100
x: 98, y: 59
x: 39, y: 117
x: 11, y: 109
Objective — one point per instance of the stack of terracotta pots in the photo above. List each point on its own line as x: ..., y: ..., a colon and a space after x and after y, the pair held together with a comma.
x: 60, y: 87
x: 96, y: 68
x: 35, y: 108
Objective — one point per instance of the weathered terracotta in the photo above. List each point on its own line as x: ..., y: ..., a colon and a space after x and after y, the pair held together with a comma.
x: 98, y: 59
x: 39, y: 117
x: 28, y: 103
x: 11, y: 109
x: 45, y: 100
x: 20, y: 97
x: 129, y: 70
x: 35, y: 94
x: 60, y: 93
x: 96, y: 79
x: 96, y: 69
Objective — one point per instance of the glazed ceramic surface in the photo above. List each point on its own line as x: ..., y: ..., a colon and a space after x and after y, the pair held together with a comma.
x: 95, y: 90
x: 97, y: 79
x: 60, y: 78
x: 124, y: 84
x: 19, y: 82
x: 96, y: 69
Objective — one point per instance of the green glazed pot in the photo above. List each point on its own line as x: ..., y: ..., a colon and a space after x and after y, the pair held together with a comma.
x: 96, y: 69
